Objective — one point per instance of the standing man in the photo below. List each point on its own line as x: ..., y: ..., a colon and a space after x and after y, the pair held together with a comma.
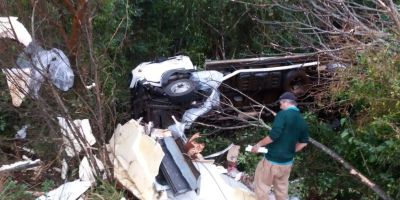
x: 289, y: 134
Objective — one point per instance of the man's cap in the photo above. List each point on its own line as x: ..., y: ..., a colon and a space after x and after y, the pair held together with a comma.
x: 287, y: 96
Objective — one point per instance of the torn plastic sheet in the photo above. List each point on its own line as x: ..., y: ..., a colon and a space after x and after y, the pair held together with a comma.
x: 205, y: 81
x: 136, y: 158
x: 68, y: 191
x: 32, y: 66
x: 42, y: 62
x: 11, y: 28
x: 73, y: 143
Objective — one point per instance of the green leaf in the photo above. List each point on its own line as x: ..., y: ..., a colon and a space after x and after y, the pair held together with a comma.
x: 344, y: 133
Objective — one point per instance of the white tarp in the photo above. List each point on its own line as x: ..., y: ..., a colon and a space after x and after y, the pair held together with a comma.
x: 136, y: 158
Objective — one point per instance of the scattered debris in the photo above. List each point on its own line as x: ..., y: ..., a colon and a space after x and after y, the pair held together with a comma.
x: 72, y: 142
x: 136, y: 158
x: 20, y: 165
x: 68, y: 191
x: 21, y: 134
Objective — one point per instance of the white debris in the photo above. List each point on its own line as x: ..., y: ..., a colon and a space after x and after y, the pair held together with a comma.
x: 68, y: 191
x: 31, y: 151
x: 26, y: 164
x: 18, y: 81
x: 177, y: 129
x: 136, y: 158
x: 64, y: 169
x: 214, y: 185
x: 21, y: 134
x: 88, y: 173
x: 219, y: 152
x: 71, y: 141
x: 11, y: 28
x: 91, y: 86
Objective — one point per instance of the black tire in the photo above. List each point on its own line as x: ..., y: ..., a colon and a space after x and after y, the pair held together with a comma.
x: 297, y: 82
x: 180, y: 91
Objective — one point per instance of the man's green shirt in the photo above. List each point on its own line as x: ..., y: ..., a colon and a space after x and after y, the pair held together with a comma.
x: 288, y: 128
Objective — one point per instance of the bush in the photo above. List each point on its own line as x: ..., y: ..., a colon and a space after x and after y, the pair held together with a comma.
x: 14, y: 191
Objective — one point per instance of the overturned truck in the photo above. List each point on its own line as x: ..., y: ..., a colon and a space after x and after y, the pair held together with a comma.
x: 169, y: 87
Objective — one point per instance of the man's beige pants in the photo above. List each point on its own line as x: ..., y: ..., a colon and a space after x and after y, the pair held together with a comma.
x: 268, y: 174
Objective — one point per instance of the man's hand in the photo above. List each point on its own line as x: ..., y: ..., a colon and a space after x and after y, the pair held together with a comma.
x: 261, y: 143
x: 300, y: 146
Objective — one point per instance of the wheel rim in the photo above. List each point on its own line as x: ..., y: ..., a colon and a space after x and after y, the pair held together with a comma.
x: 180, y: 87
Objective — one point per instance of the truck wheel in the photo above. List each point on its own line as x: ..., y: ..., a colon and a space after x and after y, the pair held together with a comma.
x: 180, y: 91
x: 296, y: 82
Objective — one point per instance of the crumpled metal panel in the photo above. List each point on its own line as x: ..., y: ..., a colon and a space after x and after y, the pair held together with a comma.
x: 175, y: 169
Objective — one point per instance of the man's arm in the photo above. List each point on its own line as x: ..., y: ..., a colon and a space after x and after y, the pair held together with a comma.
x: 300, y: 146
x: 261, y: 143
